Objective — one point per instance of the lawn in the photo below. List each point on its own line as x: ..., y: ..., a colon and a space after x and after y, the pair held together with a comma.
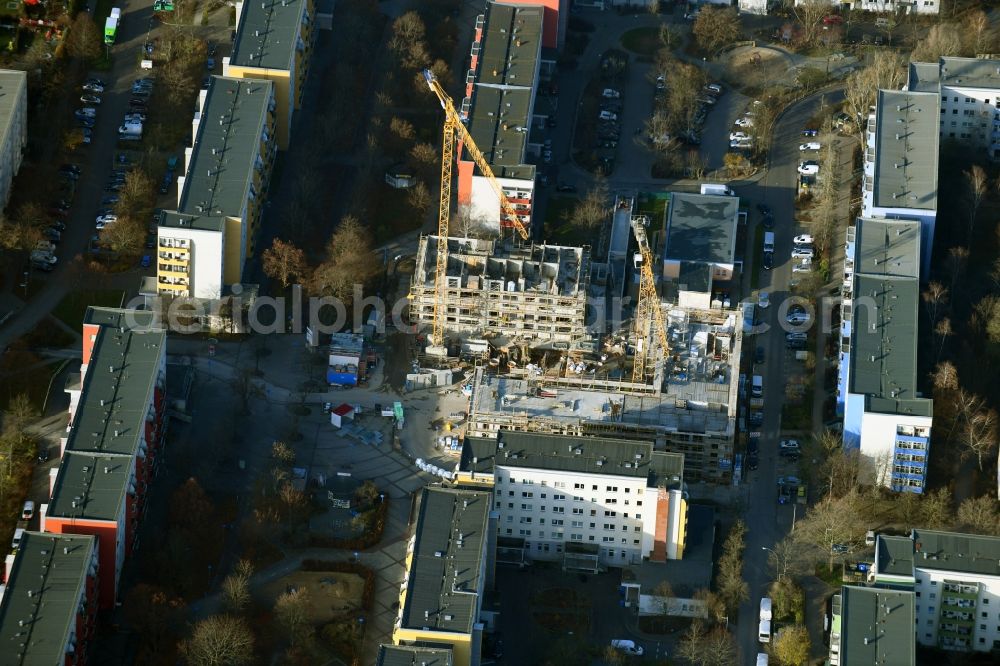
x: 74, y: 305
x: 21, y: 371
x: 559, y: 227
x: 642, y: 41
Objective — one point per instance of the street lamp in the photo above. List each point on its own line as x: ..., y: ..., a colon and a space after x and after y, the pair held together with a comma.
x: 777, y: 562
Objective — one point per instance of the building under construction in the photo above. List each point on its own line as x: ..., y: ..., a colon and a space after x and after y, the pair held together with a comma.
x: 690, y: 407
x: 533, y: 294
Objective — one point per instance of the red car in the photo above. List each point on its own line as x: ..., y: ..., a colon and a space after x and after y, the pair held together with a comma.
x: 832, y: 19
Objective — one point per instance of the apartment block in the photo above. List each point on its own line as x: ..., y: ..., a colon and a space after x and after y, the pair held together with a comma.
x: 13, y: 127
x: 498, y: 109
x: 895, y: 7
x: 202, y: 246
x: 532, y: 293
x: 113, y: 441
x: 969, y: 91
x: 48, y: 607
x: 274, y: 41
x: 955, y: 579
x: 885, y: 417
x: 872, y: 626
x: 589, y: 502
x: 689, y: 408
x: 900, y: 178
x: 699, y: 248
x: 448, y: 560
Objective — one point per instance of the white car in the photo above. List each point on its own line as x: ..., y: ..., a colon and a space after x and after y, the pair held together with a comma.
x: 803, y: 267
x: 809, y: 168
x: 714, y: 87
x: 763, y: 299
x: 738, y: 136
x: 744, y: 122
x: 607, y: 115
x: 802, y: 252
x: 610, y: 93
x: 803, y: 239
x: 812, y: 145
x: 789, y: 444
x: 106, y: 219
x: 28, y: 511
x: 627, y: 646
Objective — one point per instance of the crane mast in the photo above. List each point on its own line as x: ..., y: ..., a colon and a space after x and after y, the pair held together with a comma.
x: 647, y: 310
x: 453, y: 125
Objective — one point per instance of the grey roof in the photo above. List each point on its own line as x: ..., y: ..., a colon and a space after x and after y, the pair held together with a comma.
x: 590, y: 455
x: 877, y: 627
x: 413, y: 655
x: 511, y: 45
x: 887, y: 247
x: 953, y: 551
x: 500, y: 110
x: 233, y: 119
x: 970, y: 72
x: 91, y: 486
x: 924, y: 77
x: 894, y: 555
x: 498, y: 122
x: 119, y: 318
x: 701, y: 227
x: 13, y: 89
x: 44, y: 590
x: 175, y: 220
x: 117, y: 389
x: 268, y: 34
x: 444, y: 578
x: 886, y: 299
x: 906, y: 149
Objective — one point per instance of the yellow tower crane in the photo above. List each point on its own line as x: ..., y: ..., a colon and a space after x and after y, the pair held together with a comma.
x: 452, y: 125
x: 648, y: 306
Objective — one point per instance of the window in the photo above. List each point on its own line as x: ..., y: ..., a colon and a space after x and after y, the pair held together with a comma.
x: 607, y: 539
x: 954, y: 112
x: 933, y: 583
x: 526, y: 494
x: 593, y: 487
x: 635, y: 541
x: 558, y: 509
x: 626, y: 501
x: 590, y: 538
x: 559, y: 484
x: 624, y: 515
x: 624, y: 540
x: 983, y: 627
x: 510, y: 505
x: 954, y: 99
x: 544, y: 495
x: 498, y: 504
x: 576, y: 537
x: 638, y: 503
x: 612, y: 489
x: 611, y: 500
x: 576, y: 523
x: 609, y: 526
x: 984, y: 614
x: 969, y: 100
x: 577, y: 512
x: 933, y: 595
x: 525, y: 520
x: 628, y: 490
x: 510, y: 519
x: 637, y: 529
x: 510, y: 493
x: 558, y: 497
x: 525, y: 507
x: 541, y: 521
x: 556, y: 521
x: 611, y: 514
x: 524, y: 532
x: 593, y: 512
x: 578, y: 486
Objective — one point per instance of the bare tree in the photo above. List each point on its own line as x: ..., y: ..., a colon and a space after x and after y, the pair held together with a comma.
x: 945, y: 376
x: 284, y: 262
x: 349, y: 261
x: 136, y: 196
x: 979, y: 515
x: 955, y: 263
x: 886, y: 70
x: 810, y: 15
x: 291, y: 610
x: 942, y: 331
x: 236, y: 587
x: 707, y: 647
x: 593, y: 210
x: 716, y: 27
x: 981, y: 434
x: 419, y: 199
x: 125, y: 235
x: 469, y: 224
x: 934, y: 297
x: 943, y: 39
x: 978, y: 184
x: 732, y: 585
x: 832, y: 522
x: 220, y: 640
x: 83, y: 39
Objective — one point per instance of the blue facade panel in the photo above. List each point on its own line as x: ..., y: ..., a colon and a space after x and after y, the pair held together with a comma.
x: 341, y: 378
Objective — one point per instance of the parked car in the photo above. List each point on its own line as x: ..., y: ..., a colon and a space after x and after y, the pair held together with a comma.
x: 802, y: 252
x: 93, y: 87
x: 93, y: 100
x: 714, y: 88
x: 738, y: 136
x: 611, y: 93
x: 145, y: 261
x: 797, y: 318
x: 43, y: 453
x: 28, y: 511
x: 109, y: 200
x: 752, y: 461
x: 803, y: 239
x: 763, y: 299
x: 809, y: 168
x: 85, y: 123
x: 565, y: 187
x: 810, y: 132
x: 789, y: 444
x: 744, y: 122
x: 768, y: 261
x: 52, y: 234
x: 789, y: 481
x: 811, y: 145
x: 802, y: 267
x: 627, y: 646
x: 607, y: 115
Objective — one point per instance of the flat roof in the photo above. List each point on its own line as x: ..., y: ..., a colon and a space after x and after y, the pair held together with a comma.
x: 876, y: 626
x: 13, y: 86
x: 268, y: 34
x: 91, y: 486
x: 924, y: 77
x: 444, y: 579
x: 222, y: 165
x: 894, y: 555
x: 954, y: 551
x: 117, y: 389
x: 970, y: 72
x: 906, y: 149
x: 564, y: 453
x: 701, y: 228
x: 413, y: 655
x: 499, y: 117
x: 43, y: 593
x: 171, y: 219
x: 886, y: 299
x: 119, y: 317
x: 511, y: 45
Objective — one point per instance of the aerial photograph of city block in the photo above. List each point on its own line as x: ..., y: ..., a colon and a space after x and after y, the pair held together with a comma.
x: 500, y: 332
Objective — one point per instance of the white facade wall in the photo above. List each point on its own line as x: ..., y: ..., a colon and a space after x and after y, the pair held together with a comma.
x: 548, y: 508
x: 753, y: 6
x: 484, y: 204
x: 878, y: 439
x: 970, y: 114
x: 207, y: 249
x: 929, y: 589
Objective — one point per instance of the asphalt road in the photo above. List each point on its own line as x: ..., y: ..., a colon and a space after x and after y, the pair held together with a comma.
x: 767, y: 521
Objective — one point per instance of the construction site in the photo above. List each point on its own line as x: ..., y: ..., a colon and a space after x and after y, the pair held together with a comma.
x: 555, y: 340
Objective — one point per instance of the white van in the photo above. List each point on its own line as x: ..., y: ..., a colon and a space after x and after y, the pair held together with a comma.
x: 761, y: 659
x: 764, y: 631
x: 18, y: 534
x: 757, y: 390
x: 765, y: 608
x: 717, y: 188
x: 768, y: 241
x: 627, y: 646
